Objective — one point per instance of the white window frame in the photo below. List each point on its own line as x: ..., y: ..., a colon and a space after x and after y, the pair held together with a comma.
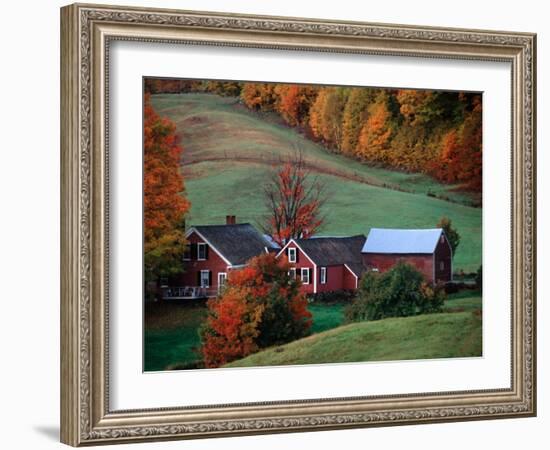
x: 207, y: 272
x: 323, y: 275
x: 302, y: 271
x: 292, y: 273
x: 221, y: 284
x: 199, y: 246
x: 294, y: 253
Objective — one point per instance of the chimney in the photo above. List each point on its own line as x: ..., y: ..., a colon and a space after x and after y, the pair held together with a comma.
x: 230, y: 220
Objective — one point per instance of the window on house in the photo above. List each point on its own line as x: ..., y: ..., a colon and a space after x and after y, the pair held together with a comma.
x: 187, y: 253
x: 441, y: 265
x: 442, y: 239
x: 305, y: 275
x: 222, y: 277
x: 205, y: 278
x: 292, y: 255
x: 292, y: 273
x: 323, y: 275
x: 201, y: 251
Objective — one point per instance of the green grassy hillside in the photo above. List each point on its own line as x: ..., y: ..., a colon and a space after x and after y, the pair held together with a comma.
x: 445, y: 335
x: 229, y: 151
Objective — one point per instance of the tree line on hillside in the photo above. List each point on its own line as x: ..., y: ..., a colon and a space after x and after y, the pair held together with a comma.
x: 434, y: 132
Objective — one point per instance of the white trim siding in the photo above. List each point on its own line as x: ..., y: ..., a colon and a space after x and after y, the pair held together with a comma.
x: 353, y: 273
x: 315, y: 279
x: 300, y: 248
x: 306, y: 255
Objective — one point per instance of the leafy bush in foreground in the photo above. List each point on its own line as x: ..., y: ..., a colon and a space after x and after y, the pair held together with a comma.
x: 260, y: 306
x: 399, y: 292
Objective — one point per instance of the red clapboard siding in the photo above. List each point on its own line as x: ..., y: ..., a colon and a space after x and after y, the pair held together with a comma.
x: 214, y: 263
x: 349, y: 281
x: 385, y: 261
x: 335, y: 279
x: 302, y: 261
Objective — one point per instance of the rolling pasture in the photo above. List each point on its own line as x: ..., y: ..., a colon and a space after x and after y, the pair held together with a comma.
x: 172, y: 335
x: 229, y: 151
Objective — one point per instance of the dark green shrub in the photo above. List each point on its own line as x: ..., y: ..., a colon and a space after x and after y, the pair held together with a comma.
x: 399, y: 292
x: 479, y: 278
x: 331, y: 297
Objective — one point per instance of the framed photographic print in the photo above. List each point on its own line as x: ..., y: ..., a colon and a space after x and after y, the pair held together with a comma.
x: 275, y: 224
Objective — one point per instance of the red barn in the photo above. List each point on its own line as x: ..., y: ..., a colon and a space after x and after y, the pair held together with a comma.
x: 428, y: 250
x: 325, y: 264
x: 213, y: 251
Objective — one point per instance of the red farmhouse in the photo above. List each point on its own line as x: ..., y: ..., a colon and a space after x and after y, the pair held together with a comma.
x: 326, y: 264
x: 427, y: 250
x: 213, y: 251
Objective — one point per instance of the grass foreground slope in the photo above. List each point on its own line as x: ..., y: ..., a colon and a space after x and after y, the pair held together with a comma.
x: 229, y: 151
x: 445, y: 335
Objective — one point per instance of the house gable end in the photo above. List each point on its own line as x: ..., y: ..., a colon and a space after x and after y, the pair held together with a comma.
x: 193, y: 230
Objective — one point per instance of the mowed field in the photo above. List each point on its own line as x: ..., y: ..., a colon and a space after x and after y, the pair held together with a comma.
x: 229, y: 152
x: 445, y: 335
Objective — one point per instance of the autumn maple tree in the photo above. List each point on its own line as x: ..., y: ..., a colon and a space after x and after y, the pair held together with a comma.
x: 260, y: 306
x: 294, y: 199
x: 164, y: 203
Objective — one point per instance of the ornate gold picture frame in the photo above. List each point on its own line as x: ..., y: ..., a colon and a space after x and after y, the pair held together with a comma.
x: 87, y: 32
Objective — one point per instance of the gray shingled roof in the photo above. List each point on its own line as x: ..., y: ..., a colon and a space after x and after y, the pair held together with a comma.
x: 385, y: 240
x: 330, y: 251
x: 237, y: 243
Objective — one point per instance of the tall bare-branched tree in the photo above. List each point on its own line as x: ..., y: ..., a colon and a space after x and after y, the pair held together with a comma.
x: 294, y: 200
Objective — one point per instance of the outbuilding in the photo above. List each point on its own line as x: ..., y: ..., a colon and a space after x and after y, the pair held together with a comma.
x: 428, y: 250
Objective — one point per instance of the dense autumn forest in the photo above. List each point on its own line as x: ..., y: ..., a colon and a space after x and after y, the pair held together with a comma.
x: 434, y: 132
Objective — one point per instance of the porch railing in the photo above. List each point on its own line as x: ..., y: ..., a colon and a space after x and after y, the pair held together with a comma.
x: 187, y: 292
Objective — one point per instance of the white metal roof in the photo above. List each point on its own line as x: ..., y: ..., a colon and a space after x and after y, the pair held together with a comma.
x: 384, y: 240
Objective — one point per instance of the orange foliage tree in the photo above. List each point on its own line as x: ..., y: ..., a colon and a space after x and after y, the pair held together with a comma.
x: 374, y: 139
x: 163, y: 200
x: 294, y: 201
x: 354, y: 116
x: 325, y: 115
x: 434, y: 132
x: 259, y: 96
x: 413, y: 104
x: 461, y: 156
x: 261, y: 305
x: 294, y: 101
